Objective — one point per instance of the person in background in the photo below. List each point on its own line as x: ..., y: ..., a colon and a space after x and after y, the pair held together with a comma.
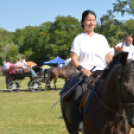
x: 126, y: 46
x: 8, y: 68
x: 11, y: 69
x: 24, y: 61
x: 25, y: 64
x: 19, y: 67
x: 6, y: 64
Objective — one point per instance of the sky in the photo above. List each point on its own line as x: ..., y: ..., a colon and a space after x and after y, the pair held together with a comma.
x: 21, y: 13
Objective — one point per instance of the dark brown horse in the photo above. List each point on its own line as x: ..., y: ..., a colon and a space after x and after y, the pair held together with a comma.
x: 54, y: 73
x: 113, y: 94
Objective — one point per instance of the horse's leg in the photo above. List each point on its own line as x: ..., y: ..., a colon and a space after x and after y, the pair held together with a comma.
x: 65, y: 79
x: 44, y: 75
x: 49, y: 85
x: 75, y: 122
x: 47, y: 82
x: 68, y: 125
x: 55, y: 80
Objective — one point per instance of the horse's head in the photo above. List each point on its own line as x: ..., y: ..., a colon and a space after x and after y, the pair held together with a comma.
x: 125, y: 80
x: 70, y: 65
x: 71, y: 69
x: 118, y: 49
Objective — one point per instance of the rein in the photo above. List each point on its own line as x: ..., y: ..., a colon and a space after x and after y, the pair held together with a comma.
x: 121, y: 114
x: 120, y: 72
x: 104, y: 104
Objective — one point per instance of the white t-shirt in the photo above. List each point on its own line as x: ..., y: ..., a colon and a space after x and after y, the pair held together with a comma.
x: 91, y: 50
x: 6, y: 65
x: 129, y: 49
x: 24, y: 63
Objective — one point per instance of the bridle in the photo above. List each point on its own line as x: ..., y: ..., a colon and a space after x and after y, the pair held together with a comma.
x: 120, y: 73
x: 121, y: 104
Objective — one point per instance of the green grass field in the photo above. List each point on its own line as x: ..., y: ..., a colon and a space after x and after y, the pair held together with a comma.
x: 26, y: 112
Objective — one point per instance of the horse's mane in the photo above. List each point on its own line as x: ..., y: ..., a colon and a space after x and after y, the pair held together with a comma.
x: 69, y: 66
x: 115, y: 61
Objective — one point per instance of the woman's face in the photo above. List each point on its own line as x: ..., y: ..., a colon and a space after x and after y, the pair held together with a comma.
x: 89, y: 23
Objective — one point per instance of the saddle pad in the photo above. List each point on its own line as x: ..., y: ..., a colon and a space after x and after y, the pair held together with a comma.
x: 88, y: 97
x: 85, y: 97
x: 69, y: 84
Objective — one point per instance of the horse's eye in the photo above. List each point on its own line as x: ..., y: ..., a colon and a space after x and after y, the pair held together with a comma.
x: 124, y: 86
x: 126, y: 78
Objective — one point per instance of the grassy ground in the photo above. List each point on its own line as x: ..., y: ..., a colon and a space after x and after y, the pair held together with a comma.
x: 26, y: 112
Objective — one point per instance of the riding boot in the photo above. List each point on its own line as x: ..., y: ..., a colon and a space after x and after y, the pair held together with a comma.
x: 75, y: 119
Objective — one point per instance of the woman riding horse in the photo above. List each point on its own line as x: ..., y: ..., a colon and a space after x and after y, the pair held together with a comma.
x: 110, y: 101
x: 89, y: 49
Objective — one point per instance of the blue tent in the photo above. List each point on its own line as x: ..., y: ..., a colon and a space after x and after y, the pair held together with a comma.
x: 57, y: 60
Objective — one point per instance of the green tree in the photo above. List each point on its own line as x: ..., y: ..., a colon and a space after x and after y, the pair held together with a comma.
x: 9, y: 51
x: 46, y: 51
x: 124, y: 7
x: 106, y: 21
x: 5, y: 37
x: 129, y: 26
x: 33, y: 42
x: 63, y: 31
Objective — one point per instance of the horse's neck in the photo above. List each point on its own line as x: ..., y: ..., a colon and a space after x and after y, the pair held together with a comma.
x: 109, y: 92
x: 67, y: 67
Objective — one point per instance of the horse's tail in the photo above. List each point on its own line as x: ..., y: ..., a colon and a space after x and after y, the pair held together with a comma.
x: 49, y: 75
x: 48, y: 71
x: 45, y: 74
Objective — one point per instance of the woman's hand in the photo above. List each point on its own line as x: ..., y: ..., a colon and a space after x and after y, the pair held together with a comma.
x: 86, y: 72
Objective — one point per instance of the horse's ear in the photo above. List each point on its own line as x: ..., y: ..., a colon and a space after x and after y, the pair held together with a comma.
x: 115, y: 49
x: 123, y: 58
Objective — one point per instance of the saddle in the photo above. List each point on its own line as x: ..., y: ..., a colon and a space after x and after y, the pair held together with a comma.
x: 68, y: 85
x: 85, y: 96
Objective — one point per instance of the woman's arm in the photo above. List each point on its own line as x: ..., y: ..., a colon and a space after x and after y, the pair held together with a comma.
x: 109, y: 57
x: 75, y: 62
x: 75, y: 57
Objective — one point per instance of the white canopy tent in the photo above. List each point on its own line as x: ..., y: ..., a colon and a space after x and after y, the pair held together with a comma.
x: 67, y: 61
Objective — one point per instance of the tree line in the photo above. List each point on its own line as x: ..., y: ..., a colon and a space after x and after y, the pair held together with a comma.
x: 46, y: 41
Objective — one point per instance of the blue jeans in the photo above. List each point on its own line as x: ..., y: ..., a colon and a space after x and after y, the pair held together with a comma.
x: 33, y: 73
